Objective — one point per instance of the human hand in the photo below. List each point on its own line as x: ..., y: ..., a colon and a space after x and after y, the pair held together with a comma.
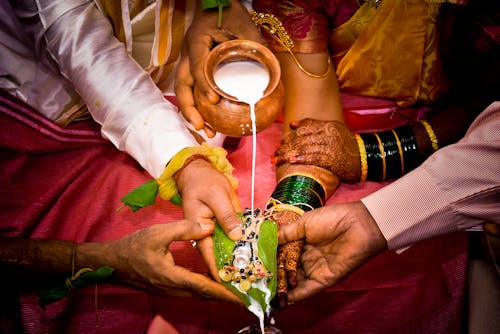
x: 339, y: 238
x: 287, y: 257
x: 201, y: 37
x: 207, y: 194
x: 143, y: 260
x: 327, y: 144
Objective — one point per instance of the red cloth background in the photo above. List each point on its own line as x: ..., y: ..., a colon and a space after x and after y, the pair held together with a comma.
x: 67, y: 184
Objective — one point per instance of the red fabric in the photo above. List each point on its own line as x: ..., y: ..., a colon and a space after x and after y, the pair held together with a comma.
x: 67, y: 184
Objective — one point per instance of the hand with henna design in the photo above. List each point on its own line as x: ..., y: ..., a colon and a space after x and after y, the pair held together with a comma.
x: 327, y: 144
x: 287, y: 259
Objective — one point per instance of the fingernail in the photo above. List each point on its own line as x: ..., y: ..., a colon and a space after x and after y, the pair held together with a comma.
x: 206, y: 226
x: 235, y: 234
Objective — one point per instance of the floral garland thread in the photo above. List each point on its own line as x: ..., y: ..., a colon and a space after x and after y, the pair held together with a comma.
x: 165, y: 185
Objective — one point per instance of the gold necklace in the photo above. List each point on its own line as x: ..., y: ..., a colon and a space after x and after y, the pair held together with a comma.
x: 275, y: 29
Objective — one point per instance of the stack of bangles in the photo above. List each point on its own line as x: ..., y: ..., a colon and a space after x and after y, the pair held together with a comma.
x: 392, y: 153
x: 299, y: 190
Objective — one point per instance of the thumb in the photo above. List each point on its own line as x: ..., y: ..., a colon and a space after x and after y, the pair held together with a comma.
x: 292, y: 231
x: 189, y: 230
x: 231, y: 225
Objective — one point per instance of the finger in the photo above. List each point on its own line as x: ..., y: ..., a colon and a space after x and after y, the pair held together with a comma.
x: 304, y: 289
x: 240, y: 25
x: 198, y: 52
x: 306, y: 126
x: 320, y: 160
x: 209, y: 131
x: 205, y: 286
x: 205, y: 246
x: 293, y: 251
x: 225, y: 210
x: 292, y: 231
x: 188, y: 230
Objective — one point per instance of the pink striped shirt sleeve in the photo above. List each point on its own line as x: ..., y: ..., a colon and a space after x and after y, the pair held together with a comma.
x: 456, y: 188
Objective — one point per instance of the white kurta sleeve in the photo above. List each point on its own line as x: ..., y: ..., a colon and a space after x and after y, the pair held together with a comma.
x: 456, y: 188
x: 78, y: 40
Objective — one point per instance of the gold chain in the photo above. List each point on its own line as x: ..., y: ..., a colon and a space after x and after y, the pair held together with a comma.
x: 275, y: 29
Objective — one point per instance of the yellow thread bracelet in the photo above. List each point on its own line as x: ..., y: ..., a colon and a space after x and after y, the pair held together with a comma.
x: 167, y: 188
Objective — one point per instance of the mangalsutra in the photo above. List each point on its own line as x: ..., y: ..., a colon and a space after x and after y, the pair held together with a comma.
x: 275, y: 29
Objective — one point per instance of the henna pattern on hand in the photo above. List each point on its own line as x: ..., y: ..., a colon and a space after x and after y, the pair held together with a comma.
x: 327, y: 144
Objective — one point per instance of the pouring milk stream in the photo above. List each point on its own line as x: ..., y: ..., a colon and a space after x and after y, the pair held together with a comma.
x: 246, y: 80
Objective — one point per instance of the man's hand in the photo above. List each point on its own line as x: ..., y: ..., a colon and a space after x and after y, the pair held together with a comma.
x: 143, y: 260
x: 339, y: 238
x: 207, y: 194
x: 327, y: 144
x: 201, y: 37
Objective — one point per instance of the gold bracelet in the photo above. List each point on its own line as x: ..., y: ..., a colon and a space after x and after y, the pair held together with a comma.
x: 382, y: 154
x: 431, y: 134
x: 400, y: 151
x: 362, y: 154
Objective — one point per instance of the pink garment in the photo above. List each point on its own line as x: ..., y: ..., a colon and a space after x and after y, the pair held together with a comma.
x: 456, y: 188
x: 67, y: 184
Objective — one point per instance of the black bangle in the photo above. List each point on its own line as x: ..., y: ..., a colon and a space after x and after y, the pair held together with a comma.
x: 374, y: 157
x: 409, y: 147
x: 392, y: 154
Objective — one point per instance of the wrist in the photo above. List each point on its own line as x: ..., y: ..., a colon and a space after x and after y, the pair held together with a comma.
x: 94, y: 255
x: 376, y: 240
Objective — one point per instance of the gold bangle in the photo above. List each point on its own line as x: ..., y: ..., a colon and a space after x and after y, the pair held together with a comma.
x: 382, y: 154
x: 431, y: 134
x: 362, y: 154
x: 400, y: 151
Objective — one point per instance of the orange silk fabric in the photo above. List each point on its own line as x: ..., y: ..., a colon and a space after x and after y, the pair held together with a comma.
x: 391, y: 52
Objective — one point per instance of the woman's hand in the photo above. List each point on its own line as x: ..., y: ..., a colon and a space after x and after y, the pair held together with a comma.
x: 207, y: 194
x: 143, y: 260
x: 339, y: 238
x: 202, y: 36
x: 327, y: 144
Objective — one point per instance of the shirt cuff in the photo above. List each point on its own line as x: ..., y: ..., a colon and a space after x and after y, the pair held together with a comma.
x: 156, y: 136
x: 411, y: 209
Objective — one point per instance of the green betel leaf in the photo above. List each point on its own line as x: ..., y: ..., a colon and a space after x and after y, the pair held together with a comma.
x: 268, y: 248
x: 87, y: 278
x: 223, y: 250
x: 141, y: 196
x: 267, y: 245
x: 208, y: 4
x: 220, y: 4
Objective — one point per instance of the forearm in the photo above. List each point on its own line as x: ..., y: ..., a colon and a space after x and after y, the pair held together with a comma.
x: 36, y: 255
x: 119, y: 94
x: 306, y: 96
x: 455, y: 189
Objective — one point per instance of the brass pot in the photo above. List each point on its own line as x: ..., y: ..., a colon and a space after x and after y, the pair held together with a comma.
x: 231, y: 116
